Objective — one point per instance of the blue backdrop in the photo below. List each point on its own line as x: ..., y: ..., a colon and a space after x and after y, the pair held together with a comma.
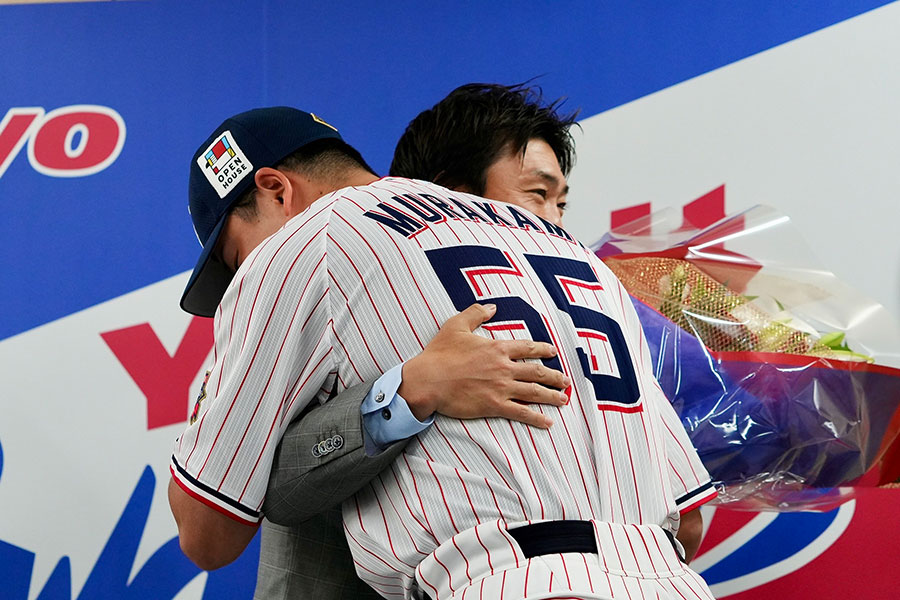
x: 174, y: 69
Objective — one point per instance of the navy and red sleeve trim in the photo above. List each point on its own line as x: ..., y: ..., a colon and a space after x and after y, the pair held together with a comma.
x: 696, y: 497
x: 213, y: 498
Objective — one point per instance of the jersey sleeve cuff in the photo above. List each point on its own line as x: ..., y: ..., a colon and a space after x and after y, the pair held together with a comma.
x: 696, y: 497
x: 211, y: 498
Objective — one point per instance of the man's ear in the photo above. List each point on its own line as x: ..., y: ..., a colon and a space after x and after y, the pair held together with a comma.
x: 273, y: 186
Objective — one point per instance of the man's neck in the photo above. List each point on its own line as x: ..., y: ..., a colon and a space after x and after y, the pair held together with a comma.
x: 349, y: 179
x: 358, y: 177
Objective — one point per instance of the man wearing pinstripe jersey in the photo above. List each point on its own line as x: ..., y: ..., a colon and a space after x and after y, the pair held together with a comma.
x: 392, y: 244
x: 303, y: 485
x: 477, y: 389
x: 532, y: 176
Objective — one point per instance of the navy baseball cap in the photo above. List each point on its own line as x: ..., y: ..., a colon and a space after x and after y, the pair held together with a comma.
x: 222, y: 169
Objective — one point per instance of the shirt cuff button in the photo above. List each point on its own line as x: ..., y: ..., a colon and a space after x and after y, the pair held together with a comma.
x: 386, y: 414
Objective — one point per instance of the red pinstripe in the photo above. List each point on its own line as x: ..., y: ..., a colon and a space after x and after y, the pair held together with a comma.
x: 463, y: 556
x: 418, y: 495
x: 511, y: 547
x: 386, y: 278
x: 527, y: 572
x: 682, y: 448
x: 646, y: 549
x: 677, y: 591
x: 462, y: 463
x: 634, y: 475
x: 437, y: 480
x: 424, y: 449
x: 359, y: 518
x: 358, y: 328
x: 663, y: 479
x: 399, y: 517
x: 569, y: 434
x: 587, y: 572
x: 374, y: 305
x: 388, y: 531
x: 409, y: 270
x: 487, y: 553
x: 525, y: 464
x: 278, y: 413
x: 677, y: 474
x: 449, y: 578
x: 406, y: 502
x: 667, y: 556
x: 613, y: 467
x: 567, y: 370
x: 421, y: 577
x: 224, y: 356
x: 347, y: 355
x: 569, y: 483
x: 299, y: 386
x: 630, y: 547
x: 319, y: 301
x: 537, y: 453
x: 698, y: 581
x: 308, y: 377
x: 366, y: 550
x: 505, y: 456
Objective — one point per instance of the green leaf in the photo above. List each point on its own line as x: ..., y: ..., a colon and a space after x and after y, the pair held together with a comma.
x: 832, y: 340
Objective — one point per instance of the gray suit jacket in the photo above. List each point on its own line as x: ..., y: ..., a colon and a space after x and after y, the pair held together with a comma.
x: 318, y: 464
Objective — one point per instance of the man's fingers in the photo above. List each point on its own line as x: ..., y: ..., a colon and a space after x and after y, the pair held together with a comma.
x: 471, y: 318
x: 537, y: 373
x: 523, y: 414
x: 535, y: 393
x: 516, y: 349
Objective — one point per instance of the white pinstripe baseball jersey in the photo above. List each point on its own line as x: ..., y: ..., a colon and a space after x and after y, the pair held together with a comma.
x: 360, y: 282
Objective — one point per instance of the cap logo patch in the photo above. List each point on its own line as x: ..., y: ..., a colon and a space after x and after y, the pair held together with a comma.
x: 322, y: 121
x: 224, y: 164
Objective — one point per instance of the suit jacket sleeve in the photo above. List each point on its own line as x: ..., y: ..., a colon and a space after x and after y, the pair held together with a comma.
x: 321, y: 461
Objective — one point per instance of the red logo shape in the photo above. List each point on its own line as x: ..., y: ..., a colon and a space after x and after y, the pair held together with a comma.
x: 72, y: 141
x: 165, y: 380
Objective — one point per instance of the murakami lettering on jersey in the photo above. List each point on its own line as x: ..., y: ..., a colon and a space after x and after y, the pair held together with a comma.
x: 224, y: 164
x: 410, y: 214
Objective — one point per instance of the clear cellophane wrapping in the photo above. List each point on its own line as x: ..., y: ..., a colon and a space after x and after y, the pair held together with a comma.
x: 784, y: 377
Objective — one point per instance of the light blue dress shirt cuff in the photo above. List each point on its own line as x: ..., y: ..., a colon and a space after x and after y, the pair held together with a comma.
x: 386, y: 416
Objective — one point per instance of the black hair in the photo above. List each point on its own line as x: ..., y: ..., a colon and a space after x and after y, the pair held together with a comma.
x: 455, y: 142
x: 326, y: 160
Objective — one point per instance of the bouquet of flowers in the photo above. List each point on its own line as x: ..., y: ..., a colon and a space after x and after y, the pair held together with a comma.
x: 784, y: 377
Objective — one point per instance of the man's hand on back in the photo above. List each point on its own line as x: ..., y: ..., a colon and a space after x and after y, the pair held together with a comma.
x: 463, y: 375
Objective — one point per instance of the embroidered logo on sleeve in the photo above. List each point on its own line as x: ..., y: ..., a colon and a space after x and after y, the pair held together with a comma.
x: 200, y: 398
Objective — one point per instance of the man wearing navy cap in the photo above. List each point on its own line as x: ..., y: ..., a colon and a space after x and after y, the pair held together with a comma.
x: 292, y: 158
x: 339, y: 273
